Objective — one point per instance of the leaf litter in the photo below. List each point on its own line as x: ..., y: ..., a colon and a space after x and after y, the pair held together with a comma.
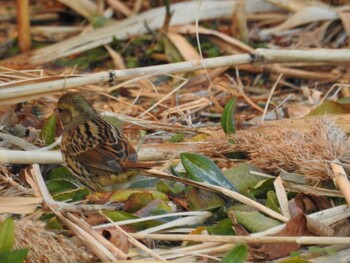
x: 303, y: 56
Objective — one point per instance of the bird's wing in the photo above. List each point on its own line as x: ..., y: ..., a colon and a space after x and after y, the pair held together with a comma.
x: 99, y: 144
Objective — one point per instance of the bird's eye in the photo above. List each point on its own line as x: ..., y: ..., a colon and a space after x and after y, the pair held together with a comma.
x: 59, y: 109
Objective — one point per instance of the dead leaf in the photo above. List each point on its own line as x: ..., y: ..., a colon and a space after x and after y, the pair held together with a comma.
x: 187, y: 51
x: 302, y: 17
x: 116, y: 237
x: 311, y: 203
x: 297, y: 226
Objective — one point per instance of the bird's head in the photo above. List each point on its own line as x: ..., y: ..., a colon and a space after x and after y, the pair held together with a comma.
x: 72, y: 108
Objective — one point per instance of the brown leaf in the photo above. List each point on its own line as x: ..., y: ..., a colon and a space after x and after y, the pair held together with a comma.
x: 181, y: 201
x: 116, y: 237
x: 342, y: 228
x: 311, y: 203
x: 295, y: 227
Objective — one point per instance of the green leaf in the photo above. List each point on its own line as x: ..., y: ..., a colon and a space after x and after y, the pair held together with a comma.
x: 203, y: 200
x: 61, y: 173
x: 330, y: 251
x: 170, y: 187
x: 147, y: 182
x: 237, y: 255
x: 223, y: 227
x: 261, y: 188
x: 53, y: 223
x: 272, y: 201
x: 60, y: 186
x: 7, y: 235
x: 315, y: 249
x: 294, y: 259
x: 177, y: 137
x: 98, y: 21
x: 330, y: 107
x: 72, y: 195
x: 48, y: 130
x: 201, y: 169
x: 241, y: 177
x: 255, y: 222
x: 294, y: 254
x: 123, y: 194
x: 16, y: 256
x: 227, y: 117
x: 136, y: 201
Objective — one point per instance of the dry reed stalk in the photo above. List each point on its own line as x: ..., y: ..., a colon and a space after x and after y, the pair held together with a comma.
x: 19, y: 205
x: 214, y: 188
x: 23, y: 24
x: 302, y: 240
x: 341, y: 180
x: 205, y: 248
x: 195, y: 216
x: 293, y: 72
x: 148, y: 152
x: 85, y: 8
x: 282, y: 197
x: 13, y: 93
x: 99, y: 238
x: 96, y: 247
x: 36, y: 88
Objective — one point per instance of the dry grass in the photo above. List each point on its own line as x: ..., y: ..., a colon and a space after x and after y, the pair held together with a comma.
x: 307, y: 153
x: 310, y: 53
x: 45, y: 245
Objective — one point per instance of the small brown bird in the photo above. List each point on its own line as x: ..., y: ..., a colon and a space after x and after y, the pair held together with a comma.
x: 94, y: 150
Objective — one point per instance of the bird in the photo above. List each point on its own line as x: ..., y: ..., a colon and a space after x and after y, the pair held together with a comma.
x: 95, y: 151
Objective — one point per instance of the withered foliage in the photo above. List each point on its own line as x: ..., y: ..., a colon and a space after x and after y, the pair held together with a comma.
x: 307, y: 153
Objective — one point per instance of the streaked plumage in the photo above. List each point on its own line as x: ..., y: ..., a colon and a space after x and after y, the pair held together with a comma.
x: 95, y: 150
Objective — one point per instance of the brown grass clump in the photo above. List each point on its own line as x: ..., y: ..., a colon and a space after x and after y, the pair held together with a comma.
x: 306, y: 153
x: 9, y: 185
x: 46, y: 246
